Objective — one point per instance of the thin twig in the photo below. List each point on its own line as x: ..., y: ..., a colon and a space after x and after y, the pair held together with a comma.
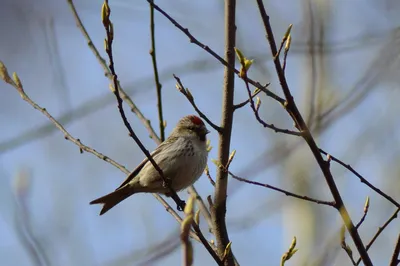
x: 344, y: 245
x: 362, y: 179
x: 242, y: 104
x: 195, y: 41
x: 379, y: 231
x: 207, y: 171
x: 365, y: 212
x: 395, y: 257
x: 262, y: 122
x: 190, y: 98
x: 293, y: 111
x: 108, y: 74
x: 202, y: 207
x: 156, y: 76
x: 287, y: 193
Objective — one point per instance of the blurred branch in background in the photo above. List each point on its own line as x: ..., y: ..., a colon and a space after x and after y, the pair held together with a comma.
x: 23, y: 226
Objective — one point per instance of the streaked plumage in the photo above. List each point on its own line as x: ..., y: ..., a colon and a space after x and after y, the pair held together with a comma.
x: 182, y: 157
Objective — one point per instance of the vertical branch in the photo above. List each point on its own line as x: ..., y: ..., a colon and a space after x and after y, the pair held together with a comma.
x: 156, y: 76
x: 219, y: 207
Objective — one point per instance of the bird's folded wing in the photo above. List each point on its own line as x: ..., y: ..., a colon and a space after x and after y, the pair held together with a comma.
x: 141, y: 165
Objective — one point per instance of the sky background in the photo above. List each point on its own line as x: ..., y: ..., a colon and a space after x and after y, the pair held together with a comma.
x: 347, y: 51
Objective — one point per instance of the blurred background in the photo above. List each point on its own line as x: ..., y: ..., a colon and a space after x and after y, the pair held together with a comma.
x: 343, y: 69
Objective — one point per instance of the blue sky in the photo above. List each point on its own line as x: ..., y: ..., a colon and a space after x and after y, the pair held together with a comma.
x: 43, y: 45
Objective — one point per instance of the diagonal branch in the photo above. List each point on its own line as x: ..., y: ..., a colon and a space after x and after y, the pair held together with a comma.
x: 287, y: 193
x: 190, y: 98
x: 395, y: 257
x: 379, y: 231
x: 108, y: 74
x: 293, y: 111
x: 242, y: 104
x: 262, y: 122
x: 195, y: 41
x: 362, y: 179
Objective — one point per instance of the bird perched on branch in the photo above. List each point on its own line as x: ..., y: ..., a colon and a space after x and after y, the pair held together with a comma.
x: 182, y: 157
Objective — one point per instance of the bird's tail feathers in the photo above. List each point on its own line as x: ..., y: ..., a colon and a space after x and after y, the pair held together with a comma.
x: 113, y: 198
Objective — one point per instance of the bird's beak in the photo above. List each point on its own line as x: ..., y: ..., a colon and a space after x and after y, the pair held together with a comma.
x: 207, y: 131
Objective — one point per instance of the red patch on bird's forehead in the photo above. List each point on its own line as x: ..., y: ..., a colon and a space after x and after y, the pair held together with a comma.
x: 196, y: 120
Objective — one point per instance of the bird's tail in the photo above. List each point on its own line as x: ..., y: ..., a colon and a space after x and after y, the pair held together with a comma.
x: 112, y: 199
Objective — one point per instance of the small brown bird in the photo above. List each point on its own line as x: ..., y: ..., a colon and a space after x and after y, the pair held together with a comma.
x: 182, y: 157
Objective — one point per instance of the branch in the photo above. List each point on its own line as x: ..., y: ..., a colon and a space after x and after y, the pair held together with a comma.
x: 395, y: 257
x: 287, y: 193
x: 344, y: 245
x: 362, y: 179
x: 262, y: 122
x: 108, y: 74
x: 23, y: 224
x: 242, y: 104
x: 365, y: 212
x: 380, y: 230
x: 193, y: 40
x: 156, y: 76
x: 218, y: 210
x: 190, y: 98
x: 292, y: 110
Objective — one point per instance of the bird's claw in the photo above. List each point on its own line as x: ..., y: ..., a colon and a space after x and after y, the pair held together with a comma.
x: 180, y: 207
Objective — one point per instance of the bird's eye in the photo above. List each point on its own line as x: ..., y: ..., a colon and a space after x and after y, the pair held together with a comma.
x: 191, y: 128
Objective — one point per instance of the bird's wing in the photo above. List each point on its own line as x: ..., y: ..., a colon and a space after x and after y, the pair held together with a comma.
x: 142, y: 164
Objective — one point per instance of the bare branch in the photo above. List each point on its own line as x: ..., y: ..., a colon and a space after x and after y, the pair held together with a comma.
x: 395, y: 257
x: 156, y: 76
x: 365, y: 212
x: 108, y: 74
x: 190, y: 98
x: 344, y: 245
x: 287, y: 193
x: 193, y: 40
x: 262, y: 122
x: 380, y: 230
x: 362, y: 179
x: 293, y: 111
x: 242, y: 104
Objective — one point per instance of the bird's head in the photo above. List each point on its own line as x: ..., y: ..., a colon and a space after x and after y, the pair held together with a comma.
x: 191, y: 125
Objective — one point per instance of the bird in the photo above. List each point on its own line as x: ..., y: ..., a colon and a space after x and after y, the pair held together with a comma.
x: 182, y: 157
